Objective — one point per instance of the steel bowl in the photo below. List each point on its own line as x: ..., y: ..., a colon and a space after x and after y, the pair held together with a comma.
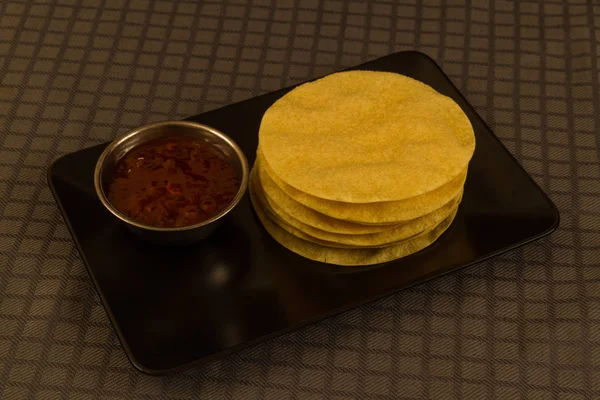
x: 119, y: 147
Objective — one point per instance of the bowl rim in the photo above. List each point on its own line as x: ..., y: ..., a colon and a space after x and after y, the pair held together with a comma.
x: 142, y: 128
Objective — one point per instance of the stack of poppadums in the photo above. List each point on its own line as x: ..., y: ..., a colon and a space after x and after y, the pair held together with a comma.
x: 360, y: 167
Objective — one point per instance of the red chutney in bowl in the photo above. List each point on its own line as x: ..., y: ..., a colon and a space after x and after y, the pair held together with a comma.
x: 172, y: 182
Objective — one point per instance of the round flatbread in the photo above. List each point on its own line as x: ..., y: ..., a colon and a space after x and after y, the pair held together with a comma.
x: 344, y: 256
x: 308, y: 216
x: 368, y: 136
x: 379, y: 239
x: 385, y: 212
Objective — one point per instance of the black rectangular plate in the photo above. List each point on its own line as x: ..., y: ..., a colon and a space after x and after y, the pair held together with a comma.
x: 172, y: 307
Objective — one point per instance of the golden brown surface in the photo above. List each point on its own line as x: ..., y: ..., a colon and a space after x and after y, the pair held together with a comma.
x: 308, y: 216
x: 360, y: 167
x: 368, y: 137
x: 347, y: 256
x: 385, y: 212
x: 389, y: 236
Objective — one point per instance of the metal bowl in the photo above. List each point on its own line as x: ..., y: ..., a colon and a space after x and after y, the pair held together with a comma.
x: 118, y: 148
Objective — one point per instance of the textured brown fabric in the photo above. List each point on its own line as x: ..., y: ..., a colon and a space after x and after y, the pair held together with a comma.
x: 525, y: 325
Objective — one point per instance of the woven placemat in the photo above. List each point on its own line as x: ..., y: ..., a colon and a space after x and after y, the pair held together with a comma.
x: 526, y: 325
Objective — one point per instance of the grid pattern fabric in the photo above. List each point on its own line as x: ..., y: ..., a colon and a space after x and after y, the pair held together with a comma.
x: 525, y: 325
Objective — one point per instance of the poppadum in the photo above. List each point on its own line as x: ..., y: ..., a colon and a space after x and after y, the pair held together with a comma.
x: 368, y: 136
x: 308, y: 216
x: 343, y: 256
x: 380, y: 213
x: 392, y: 235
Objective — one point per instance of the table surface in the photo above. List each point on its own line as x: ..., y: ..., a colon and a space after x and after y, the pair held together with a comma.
x: 525, y: 325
